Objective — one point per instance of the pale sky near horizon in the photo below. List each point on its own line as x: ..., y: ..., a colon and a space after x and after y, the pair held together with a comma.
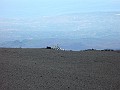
x: 24, y: 8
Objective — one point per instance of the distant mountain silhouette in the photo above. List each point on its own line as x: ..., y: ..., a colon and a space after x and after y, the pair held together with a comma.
x: 12, y: 44
x: 68, y: 44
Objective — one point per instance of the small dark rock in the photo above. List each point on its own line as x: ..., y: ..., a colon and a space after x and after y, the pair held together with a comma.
x: 40, y: 76
x: 76, y: 78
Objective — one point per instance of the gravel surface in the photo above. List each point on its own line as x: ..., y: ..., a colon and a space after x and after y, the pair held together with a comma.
x: 46, y: 69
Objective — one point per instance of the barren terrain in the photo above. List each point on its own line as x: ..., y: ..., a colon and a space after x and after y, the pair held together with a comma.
x: 47, y: 69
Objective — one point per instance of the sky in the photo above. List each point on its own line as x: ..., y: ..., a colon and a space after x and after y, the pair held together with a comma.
x: 32, y: 8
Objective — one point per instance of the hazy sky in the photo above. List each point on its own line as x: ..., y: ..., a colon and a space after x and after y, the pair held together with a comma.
x: 24, y: 8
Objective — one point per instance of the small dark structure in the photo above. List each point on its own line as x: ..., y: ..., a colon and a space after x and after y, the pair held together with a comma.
x: 48, y: 47
x: 90, y: 49
x: 107, y: 50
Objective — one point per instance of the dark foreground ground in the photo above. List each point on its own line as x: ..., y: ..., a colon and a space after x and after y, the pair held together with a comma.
x: 43, y: 69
